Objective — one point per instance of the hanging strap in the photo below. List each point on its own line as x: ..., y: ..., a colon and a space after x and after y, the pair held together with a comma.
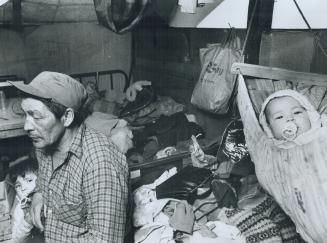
x: 317, y: 38
x: 233, y: 101
x: 302, y: 15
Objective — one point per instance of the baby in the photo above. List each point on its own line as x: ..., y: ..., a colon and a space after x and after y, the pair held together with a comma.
x: 24, y: 182
x: 287, y: 115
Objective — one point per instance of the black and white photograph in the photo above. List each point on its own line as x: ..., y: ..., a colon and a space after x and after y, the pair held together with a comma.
x: 163, y: 121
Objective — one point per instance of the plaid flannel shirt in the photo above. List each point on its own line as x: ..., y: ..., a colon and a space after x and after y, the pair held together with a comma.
x: 86, y: 195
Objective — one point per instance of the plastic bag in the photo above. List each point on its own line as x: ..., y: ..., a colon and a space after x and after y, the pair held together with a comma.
x: 216, y: 82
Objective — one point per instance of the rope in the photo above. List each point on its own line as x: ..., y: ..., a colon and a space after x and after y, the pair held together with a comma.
x: 303, y: 17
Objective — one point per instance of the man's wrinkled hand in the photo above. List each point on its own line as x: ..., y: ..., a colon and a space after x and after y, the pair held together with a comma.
x: 36, y: 210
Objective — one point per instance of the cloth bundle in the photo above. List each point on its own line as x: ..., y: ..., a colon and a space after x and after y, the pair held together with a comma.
x: 300, y: 195
x: 172, y: 220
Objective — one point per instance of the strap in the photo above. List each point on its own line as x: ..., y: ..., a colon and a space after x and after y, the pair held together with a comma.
x: 234, y: 108
x: 317, y: 38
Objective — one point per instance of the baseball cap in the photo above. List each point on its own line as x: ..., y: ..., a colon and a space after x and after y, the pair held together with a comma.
x: 57, y: 87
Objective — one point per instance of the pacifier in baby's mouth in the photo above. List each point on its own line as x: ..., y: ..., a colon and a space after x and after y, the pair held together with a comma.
x: 289, y: 131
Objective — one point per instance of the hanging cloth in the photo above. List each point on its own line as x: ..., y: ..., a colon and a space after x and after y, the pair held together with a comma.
x: 294, y: 175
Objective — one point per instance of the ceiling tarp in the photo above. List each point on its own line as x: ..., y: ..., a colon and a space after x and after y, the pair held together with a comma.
x: 215, y: 14
x: 287, y: 16
x: 52, y: 11
x: 230, y: 13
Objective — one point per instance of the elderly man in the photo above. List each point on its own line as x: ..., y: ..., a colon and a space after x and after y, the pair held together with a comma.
x: 83, y: 178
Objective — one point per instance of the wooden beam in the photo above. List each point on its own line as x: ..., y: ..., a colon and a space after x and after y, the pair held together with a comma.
x: 17, y: 14
x: 261, y: 23
x: 279, y: 74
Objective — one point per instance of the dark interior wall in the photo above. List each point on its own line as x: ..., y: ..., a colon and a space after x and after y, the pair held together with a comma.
x: 65, y: 47
x: 319, y: 62
x: 287, y: 49
x: 12, y: 59
x: 169, y: 58
x: 294, y: 50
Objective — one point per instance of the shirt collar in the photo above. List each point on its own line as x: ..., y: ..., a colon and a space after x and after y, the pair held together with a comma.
x: 76, y: 146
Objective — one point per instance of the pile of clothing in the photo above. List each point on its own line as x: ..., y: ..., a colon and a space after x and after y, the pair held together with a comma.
x: 213, y: 194
x: 165, y: 132
x: 174, y: 220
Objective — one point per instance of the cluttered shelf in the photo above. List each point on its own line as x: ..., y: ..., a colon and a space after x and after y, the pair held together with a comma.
x: 11, y: 116
x: 11, y: 127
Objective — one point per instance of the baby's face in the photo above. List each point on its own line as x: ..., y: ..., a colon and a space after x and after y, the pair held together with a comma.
x: 122, y: 137
x: 25, y: 184
x: 283, y: 110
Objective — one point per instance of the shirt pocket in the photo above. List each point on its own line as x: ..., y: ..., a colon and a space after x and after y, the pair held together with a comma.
x: 71, y: 207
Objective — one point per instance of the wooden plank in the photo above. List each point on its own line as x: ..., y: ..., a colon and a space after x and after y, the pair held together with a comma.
x: 12, y: 128
x: 11, y: 123
x: 6, y: 84
x: 208, y: 149
x: 279, y: 74
x: 12, y: 133
x: 156, y: 162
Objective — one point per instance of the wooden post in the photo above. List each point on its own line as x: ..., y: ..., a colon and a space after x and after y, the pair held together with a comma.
x: 17, y: 14
x: 261, y: 23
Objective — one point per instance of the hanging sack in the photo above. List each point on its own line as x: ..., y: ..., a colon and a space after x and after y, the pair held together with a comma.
x: 216, y: 82
x: 120, y: 16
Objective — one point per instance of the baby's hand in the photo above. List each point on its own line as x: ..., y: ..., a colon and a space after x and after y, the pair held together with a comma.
x: 197, y: 152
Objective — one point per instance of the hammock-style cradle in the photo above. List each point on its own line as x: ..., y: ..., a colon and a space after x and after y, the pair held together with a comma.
x: 297, y: 176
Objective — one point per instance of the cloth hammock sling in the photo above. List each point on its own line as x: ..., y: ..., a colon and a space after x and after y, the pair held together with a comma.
x: 295, y: 177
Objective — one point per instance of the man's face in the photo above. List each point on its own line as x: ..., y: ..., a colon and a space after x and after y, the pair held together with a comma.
x: 281, y: 110
x: 122, y: 137
x: 41, y: 124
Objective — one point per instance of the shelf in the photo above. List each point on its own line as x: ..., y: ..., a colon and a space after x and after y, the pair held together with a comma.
x: 11, y: 124
x: 6, y: 84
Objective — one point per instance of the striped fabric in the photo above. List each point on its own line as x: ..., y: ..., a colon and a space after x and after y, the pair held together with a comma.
x: 86, y: 195
x: 264, y: 223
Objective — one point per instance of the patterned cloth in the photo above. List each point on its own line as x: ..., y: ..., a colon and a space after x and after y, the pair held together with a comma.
x: 86, y: 194
x: 265, y: 223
